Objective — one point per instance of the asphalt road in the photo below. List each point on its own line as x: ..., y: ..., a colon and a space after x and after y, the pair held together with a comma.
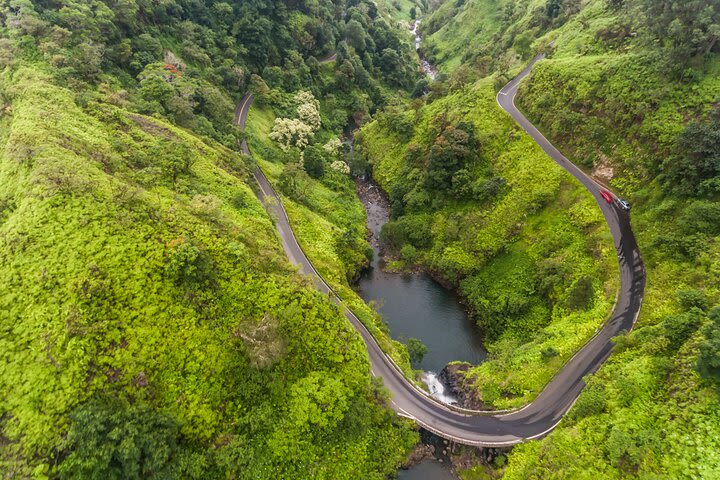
x: 541, y: 416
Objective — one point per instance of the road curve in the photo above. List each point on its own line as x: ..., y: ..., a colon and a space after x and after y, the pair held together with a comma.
x: 491, y: 429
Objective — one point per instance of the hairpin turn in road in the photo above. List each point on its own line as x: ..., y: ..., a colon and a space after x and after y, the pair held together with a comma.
x: 481, y: 428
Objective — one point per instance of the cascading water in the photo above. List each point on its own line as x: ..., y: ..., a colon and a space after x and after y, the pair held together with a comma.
x: 425, y: 66
x: 437, y: 388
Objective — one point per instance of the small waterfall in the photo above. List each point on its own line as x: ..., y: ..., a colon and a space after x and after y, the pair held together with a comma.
x: 437, y: 388
x: 427, y: 69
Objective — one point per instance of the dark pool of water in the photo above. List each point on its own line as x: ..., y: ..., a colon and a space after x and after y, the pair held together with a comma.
x: 416, y: 306
x: 427, y: 470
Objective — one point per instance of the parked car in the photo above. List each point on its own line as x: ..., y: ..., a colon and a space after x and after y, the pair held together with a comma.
x: 624, y: 204
x: 606, y: 195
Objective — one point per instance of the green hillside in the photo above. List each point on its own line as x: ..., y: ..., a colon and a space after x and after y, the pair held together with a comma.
x: 150, y: 324
x: 152, y: 327
x: 630, y: 93
x: 522, y: 241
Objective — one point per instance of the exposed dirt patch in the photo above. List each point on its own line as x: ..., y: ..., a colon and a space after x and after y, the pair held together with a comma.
x: 603, y: 169
x: 150, y: 127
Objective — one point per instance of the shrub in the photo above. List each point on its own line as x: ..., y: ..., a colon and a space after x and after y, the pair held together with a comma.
x: 111, y: 440
x: 408, y: 253
x: 581, y: 294
x: 416, y: 350
x: 692, y: 298
x: 678, y: 328
x: 548, y: 353
x: 314, y: 161
x: 187, y: 264
x: 592, y: 401
x: 412, y: 229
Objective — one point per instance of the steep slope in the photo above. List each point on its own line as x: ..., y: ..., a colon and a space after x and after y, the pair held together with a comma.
x: 523, y: 242
x: 629, y: 93
x: 151, y: 325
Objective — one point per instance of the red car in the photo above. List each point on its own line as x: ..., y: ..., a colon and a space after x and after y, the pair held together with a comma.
x: 606, y: 195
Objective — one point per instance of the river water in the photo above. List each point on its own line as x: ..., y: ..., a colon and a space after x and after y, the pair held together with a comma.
x: 427, y: 470
x: 427, y: 68
x: 416, y: 306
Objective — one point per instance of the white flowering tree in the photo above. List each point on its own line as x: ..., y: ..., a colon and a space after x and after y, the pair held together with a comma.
x: 291, y: 132
x: 297, y: 132
x: 340, y: 166
x: 308, y: 109
x: 333, y: 146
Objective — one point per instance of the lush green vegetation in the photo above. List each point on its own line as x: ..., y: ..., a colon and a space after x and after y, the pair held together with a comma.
x: 477, y: 202
x: 150, y: 325
x: 629, y: 93
x: 142, y: 293
x: 327, y: 218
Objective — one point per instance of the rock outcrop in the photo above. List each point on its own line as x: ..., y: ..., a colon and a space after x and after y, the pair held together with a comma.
x: 455, y: 379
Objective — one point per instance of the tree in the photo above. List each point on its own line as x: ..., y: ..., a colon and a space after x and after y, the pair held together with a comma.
x: 523, y: 43
x: 294, y: 181
x: 696, y: 166
x: 356, y: 35
x: 340, y: 166
x: 308, y: 109
x: 553, y: 8
x: 146, y: 49
x: 297, y: 132
x: 187, y: 264
x: 108, y: 439
x: 173, y: 158
x: 709, y: 358
x: 421, y: 88
x: 314, y: 159
x: 451, y: 151
x: 692, y: 298
x: 417, y: 350
x: 333, y: 148
x: 580, y: 295
x: 408, y: 253
x: 678, y: 328
x: 392, y: 66
x: 291, y: 132
x: 259, y: 87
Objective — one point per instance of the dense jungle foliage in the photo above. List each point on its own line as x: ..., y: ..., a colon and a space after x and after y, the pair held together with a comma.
x: 478, y: 203
x: 150, y: 325
x: 629, y: 92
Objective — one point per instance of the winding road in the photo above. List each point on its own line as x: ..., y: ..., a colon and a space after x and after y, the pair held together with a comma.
x: 480, y: 428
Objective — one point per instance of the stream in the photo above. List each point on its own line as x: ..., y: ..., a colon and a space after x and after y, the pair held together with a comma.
x: 414, y: 305
x: 426, y: 67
